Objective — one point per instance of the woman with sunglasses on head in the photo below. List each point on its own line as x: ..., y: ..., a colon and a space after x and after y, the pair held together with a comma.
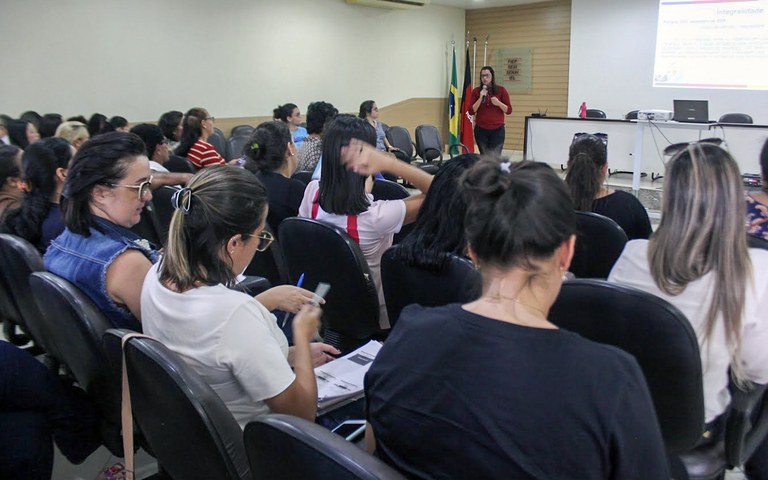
x: 227, y: 336
x: 198, y: 126
x: 587, y: 170
x: 757, y: 202
x: 107, y: 185
x: 491, y: 389
x: 490, y: 104
x: 698, y: 261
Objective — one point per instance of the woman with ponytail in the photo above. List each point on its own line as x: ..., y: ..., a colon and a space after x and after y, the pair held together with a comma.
x: 44, y: 168
x: 492, y: 389
x: 587, y: 169
x: 271, y: 156
x: 229, y: 337
x: 198, y: 126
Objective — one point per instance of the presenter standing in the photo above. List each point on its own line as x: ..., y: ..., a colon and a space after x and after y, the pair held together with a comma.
x: 490, y: 103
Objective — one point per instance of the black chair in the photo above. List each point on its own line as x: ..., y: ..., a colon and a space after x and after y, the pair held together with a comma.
x: 270, y: 264
x: 735, y: 118
x: 19, y: 258
x: 429, y: 147
x: 219, y: 142
x: 405, y: 284
x: 74, y: 326
x: 599, y: 244
x: 235, y: 146
x: 757, y: 242
x: 282, y: 446
x: 189, y: 429
x: 399, y: 138
x: 241, y: 131
x: 303, y: 176
x: 325, y: 253
x: 595, y: 113
x: 632, y: 115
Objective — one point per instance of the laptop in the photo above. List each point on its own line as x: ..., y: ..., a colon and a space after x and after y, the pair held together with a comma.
x: 693, y: 111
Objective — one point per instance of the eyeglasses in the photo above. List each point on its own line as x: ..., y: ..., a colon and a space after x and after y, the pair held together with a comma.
x: 143, y: 187
x: 265, y: 240
x: 676, y: 148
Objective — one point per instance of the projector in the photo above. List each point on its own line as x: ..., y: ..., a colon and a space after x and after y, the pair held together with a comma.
x: 650, y: 114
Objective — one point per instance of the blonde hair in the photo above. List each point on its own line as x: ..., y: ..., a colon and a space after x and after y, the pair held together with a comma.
x: 702, y: 231
x: 72, y: 131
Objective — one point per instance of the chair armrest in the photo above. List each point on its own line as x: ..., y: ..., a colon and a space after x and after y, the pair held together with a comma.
x: 253, y: 285
x: 462, y: 148
x: 747, y: 423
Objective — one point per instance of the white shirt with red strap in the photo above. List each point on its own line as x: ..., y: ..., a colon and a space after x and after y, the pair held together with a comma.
x: 372, y: 230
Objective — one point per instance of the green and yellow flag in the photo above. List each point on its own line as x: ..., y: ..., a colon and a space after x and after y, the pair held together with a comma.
x: 453, y: 114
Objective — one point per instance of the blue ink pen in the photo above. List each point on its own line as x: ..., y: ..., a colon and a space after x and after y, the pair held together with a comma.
x: 288, y: 314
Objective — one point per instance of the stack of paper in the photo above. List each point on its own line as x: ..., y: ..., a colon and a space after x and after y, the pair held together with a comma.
x: 341, y: 380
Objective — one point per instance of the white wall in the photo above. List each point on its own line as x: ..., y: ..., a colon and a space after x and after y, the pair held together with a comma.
x: 139, y: 58
x: 611, y: 64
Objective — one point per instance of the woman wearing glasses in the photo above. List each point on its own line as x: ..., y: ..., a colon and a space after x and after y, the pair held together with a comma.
x: 587, y: 169
x: 698, y: 261
x: 490, y: 104
x: 229, y: 337
x: 105, y: 190
x: 198, y: 126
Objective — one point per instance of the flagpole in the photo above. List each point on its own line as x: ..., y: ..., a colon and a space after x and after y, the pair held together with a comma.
x: 485, y: 50
x: 474, y: 59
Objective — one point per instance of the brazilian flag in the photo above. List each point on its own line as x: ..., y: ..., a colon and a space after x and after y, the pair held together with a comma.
x: 453, y: 114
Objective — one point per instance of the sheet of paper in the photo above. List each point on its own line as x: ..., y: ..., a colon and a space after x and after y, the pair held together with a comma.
x: 343, y: 377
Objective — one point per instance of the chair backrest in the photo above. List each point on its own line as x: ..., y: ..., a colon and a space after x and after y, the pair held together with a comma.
x: 219, y: 142
x: 284, y: 446
x: 757, y: 242
x: 735, y: 118
x: 404, y: 284
x: 163, y: 206
x: 325, y: 253
x: 595, y: 113
x: 235, y: 146
x: 74, y: 326
x: 270, y: 264
x: 632, y: 115
x: 189, y: 429
x: 599, y: 244
x: 400, y: 138
x: 19, y: 258
x: 660, y: 338
x: 388, y: 190
x: 303, y: 176
x: 429, y: 145
x: 241, y: 131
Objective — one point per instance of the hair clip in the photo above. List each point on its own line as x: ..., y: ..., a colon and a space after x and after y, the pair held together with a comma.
x: 504, y: 166
x: 254, y: 146
x: 182, y: 200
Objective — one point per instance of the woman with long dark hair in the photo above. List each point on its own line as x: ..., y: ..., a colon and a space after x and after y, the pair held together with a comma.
x: 198, y: 126
x: 490, y: 104
x: 587, y: 169
x: 369, y: 112
x: 10, y: 177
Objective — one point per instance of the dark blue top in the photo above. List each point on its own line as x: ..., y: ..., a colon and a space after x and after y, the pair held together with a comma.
x: 51, y: 227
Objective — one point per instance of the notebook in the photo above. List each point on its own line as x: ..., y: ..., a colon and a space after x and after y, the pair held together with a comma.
x: 694, y: 111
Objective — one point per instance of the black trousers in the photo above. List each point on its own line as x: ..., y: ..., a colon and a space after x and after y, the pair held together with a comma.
x: 489, y: 141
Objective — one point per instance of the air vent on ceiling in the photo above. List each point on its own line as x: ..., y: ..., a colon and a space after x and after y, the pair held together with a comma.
x: 390, y: 3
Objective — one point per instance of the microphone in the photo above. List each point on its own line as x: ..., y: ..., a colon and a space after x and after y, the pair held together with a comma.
x: 485, y: 98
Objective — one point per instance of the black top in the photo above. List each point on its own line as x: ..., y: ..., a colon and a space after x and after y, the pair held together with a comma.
x: 457, y: 395
x: 626, y: 210
x: 179, y: 164
x: 284, y: 196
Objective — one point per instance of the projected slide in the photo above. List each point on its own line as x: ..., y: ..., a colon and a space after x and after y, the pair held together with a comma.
x: 712, y: 44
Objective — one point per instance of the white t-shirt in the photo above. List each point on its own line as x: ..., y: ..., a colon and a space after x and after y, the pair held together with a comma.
x: 376, y: 227
x: 227, y: 337
x: 633, y: 269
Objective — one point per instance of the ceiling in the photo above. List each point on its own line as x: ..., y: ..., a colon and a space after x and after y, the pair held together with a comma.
x: 475, y: 4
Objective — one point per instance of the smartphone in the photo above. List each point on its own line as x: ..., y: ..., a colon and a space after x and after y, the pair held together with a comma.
x: 320, y: 292
x: 351, y: 430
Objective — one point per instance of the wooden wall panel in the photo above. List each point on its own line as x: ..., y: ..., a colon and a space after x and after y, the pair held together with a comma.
x: 543, y: 27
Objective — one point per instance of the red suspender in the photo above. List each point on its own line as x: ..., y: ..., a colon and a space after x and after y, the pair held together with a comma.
x: 351, y: 219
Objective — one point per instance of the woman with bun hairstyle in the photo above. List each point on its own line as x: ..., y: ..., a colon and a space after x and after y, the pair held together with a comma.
x: 491, y: 388
x: 291, y: 115
x: 587, y: 169
x: 271, y: 156
x: 198, y: 126
x: 227, y: 336
x: 44, y: 168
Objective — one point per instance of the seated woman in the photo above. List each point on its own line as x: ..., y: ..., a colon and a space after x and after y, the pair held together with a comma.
x: 370, y: 113
x: 587, y: 168
x: 75, y: 133
x: 757, y: 202
x: 230, y: 338
x: 39, y: 220
x: 271, y: 156
x: 491, y: 389
x: 106, y: 188
x: 698, y: 261
x: 318, y: 116
x: 171, y: 123
x: 198, y: 126
x: 22, y: 134
x: 10, y: 177
x: 342, y: 197
x: 291, y: 116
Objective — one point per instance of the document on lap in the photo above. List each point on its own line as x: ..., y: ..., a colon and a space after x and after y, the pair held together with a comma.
x: 341, y: 381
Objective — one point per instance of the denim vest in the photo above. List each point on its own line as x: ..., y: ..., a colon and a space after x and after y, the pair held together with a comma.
x: 84, y: 262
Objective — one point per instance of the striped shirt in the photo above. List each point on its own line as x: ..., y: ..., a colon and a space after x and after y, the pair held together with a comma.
x: 202, y: 154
